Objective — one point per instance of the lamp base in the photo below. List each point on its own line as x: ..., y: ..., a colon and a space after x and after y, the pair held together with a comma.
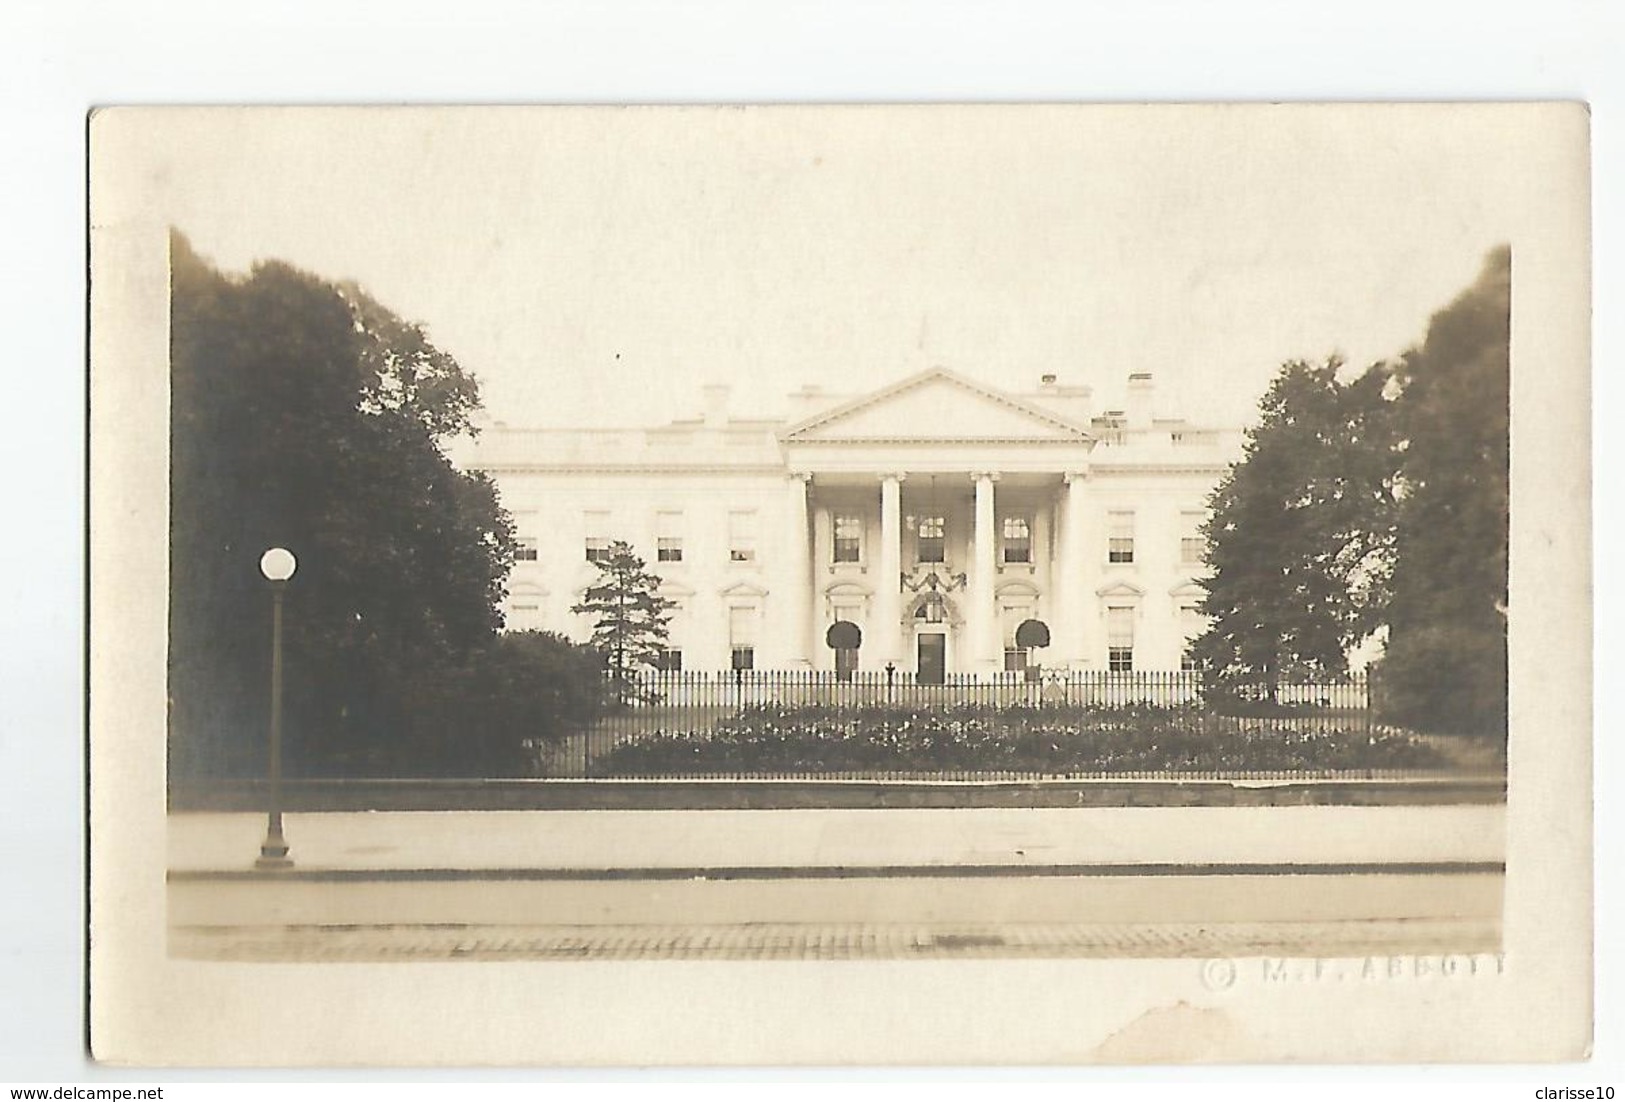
x: 274, y: 853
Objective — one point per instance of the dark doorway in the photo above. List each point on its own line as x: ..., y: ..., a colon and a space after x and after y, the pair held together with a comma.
x: 933, y: 667
x: 846, y: 663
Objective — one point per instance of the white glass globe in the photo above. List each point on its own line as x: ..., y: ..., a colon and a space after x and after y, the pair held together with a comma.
x: 278, y: 564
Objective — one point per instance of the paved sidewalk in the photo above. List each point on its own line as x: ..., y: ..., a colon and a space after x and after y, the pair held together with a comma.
x: 853, y: 839
x: 839, y: 941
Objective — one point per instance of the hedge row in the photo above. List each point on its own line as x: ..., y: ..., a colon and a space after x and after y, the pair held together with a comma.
x: 1041, y: 739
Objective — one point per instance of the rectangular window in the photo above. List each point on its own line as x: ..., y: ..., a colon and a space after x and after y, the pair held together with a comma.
x: 1192, y: 623
x: 1192, y: 547
x: 848, y: 538
x: 670, y: 660
x: 742, y: 536
x: 525, y: 549
x: 1015, y: 660
x: 597, y: 541
x: 929, y: 543
x: 742, y: 637
x: 668, y: 537
x: 1119, y: 639
x: 1120, y: 536
x: 1018, y: 540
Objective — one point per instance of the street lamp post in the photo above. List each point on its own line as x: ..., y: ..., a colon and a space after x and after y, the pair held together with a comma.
x: 278, y: 565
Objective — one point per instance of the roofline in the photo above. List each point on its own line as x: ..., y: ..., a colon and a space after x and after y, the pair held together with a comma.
x: 853, y: 404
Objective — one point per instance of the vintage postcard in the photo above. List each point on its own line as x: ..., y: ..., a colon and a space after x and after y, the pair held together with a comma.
x: 1045, y: 584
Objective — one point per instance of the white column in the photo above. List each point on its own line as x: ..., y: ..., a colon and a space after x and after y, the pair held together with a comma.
x: 1043, y: 561
x: 1072, y: 611
x: 982, y: 622
x: 798, y: 591
x: 888, y: 586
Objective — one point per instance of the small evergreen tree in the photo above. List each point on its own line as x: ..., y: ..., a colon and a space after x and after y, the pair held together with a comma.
x: 630, y: 618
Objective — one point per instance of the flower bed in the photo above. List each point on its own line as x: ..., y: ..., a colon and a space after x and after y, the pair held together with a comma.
x: 1046, y: 739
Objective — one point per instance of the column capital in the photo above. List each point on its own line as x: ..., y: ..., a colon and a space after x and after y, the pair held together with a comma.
x: 894, y: 476
x: 979, y: 476
x: 800, y: 476
x: 1080, y: 475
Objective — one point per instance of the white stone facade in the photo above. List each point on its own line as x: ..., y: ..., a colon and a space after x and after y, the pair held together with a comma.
x: 936, y: 515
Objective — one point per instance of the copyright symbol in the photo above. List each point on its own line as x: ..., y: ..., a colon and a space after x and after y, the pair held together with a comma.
x: 1218, y: 973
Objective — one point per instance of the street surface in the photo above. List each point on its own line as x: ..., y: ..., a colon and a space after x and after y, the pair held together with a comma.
x: 853, y: 941
x: 830, y: 885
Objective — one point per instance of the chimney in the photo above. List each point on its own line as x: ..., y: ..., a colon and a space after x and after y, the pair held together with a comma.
x: 1070, y: 400
x: 716, y: 405
x: 1141, y: 394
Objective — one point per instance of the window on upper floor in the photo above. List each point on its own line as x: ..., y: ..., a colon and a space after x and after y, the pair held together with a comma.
x: 848, y: 538
x: 525, y: 549
x: 929, y: 542
x: 1192, y: 546
x: 668, y: 537
x: 1120, y: 536
x: 742, y: 536
x: 597, y: 536
x: 1018, y: 540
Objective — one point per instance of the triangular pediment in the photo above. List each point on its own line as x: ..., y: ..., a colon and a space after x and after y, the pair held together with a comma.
x: 1120, y: 589
x: 936, y: 405
x: 742, y: 589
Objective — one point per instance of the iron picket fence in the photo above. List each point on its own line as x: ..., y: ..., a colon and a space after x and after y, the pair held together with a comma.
x: 888, y: 725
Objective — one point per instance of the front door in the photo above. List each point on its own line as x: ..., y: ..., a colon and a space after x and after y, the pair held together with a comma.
x: 933, y: 659
x: 846, y: 662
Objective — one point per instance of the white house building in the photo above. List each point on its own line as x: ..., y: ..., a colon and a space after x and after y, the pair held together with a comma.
x: 931, y: 519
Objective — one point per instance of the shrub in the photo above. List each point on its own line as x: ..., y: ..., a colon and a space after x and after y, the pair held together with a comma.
x: 491, y: 716
x: 1025, y: 739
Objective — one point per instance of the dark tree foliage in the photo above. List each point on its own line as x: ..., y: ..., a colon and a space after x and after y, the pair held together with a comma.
x: 1300, y: 535
x: 1445, y: 667
x: 630, y: 618
x: 305, y: 415
x: 496, y: 713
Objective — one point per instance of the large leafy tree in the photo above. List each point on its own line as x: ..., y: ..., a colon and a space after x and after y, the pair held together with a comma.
x: 630, y: 617
x: 306, y: 415
x: 1445, y: 667
x: 1300, y: 535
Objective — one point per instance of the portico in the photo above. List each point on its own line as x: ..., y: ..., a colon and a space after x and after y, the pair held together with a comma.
x: 938, y: 512
x: 965, y: 557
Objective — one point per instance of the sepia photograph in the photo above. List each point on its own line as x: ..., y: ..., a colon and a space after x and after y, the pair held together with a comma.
x: 874, y: 584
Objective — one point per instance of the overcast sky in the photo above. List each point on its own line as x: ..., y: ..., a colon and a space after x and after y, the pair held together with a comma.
x: 595, y: 266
